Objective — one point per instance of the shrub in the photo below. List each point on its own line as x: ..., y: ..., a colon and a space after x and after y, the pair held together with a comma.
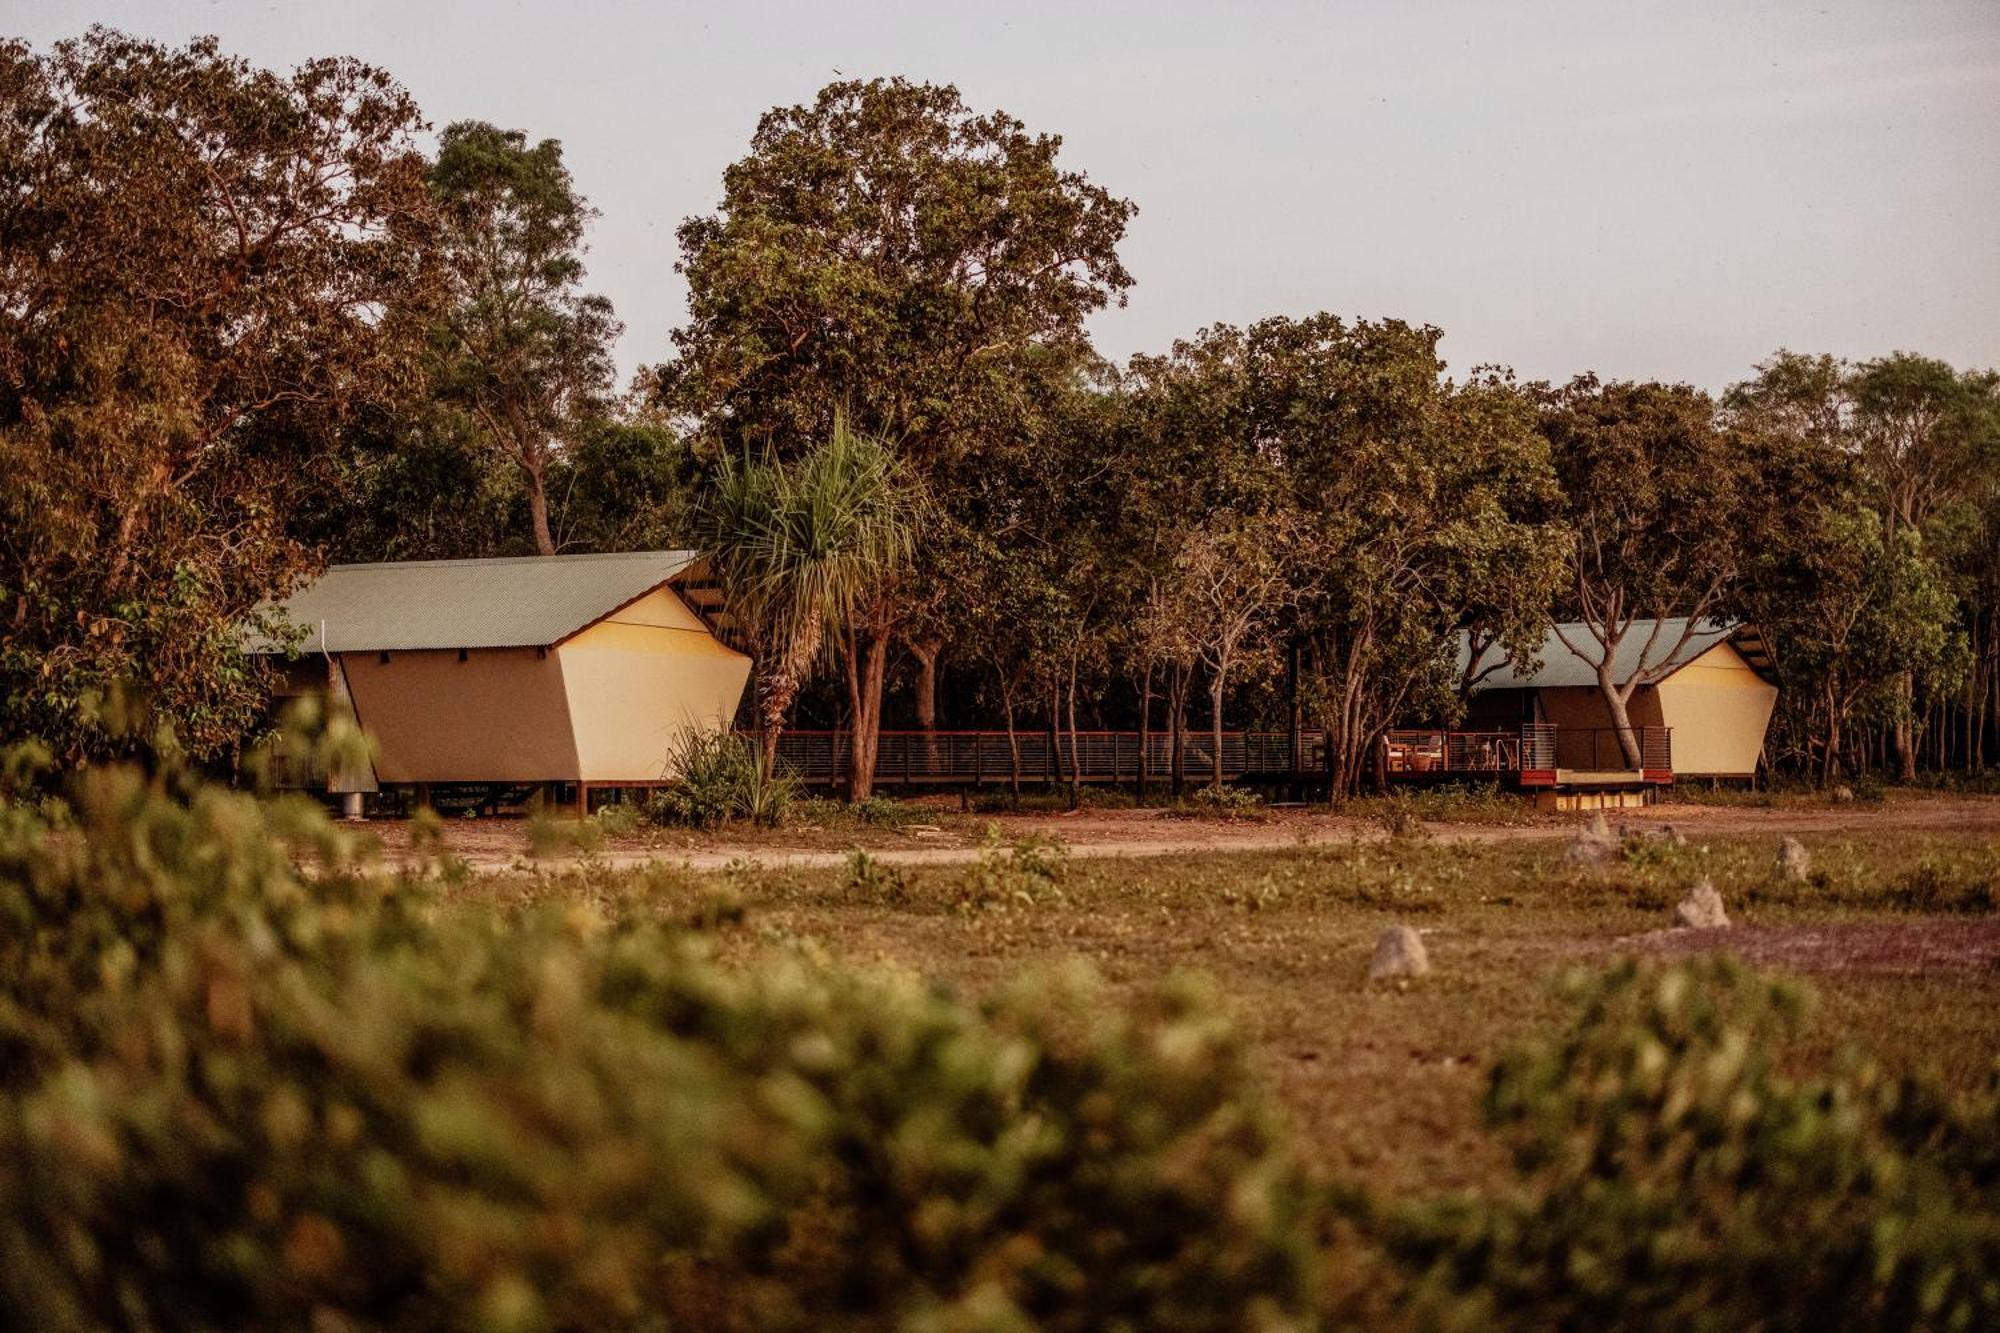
x: 553, y: 833
x: 620, y: 820
x: 1448, y: 803
x: 1960, y: 879
x: 722, y: 777
x: 1212, y: 802
x: 1400, y: 819
x: 237, y: 1095
x: 1089, y: 797
x: 1672, y: 1177
x: 1024, y: 872
x: 871, y: 880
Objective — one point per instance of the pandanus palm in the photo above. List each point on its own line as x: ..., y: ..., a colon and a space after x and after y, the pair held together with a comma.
x: 799, y: 546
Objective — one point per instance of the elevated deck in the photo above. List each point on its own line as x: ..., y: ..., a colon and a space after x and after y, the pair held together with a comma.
x: 1536, y: 756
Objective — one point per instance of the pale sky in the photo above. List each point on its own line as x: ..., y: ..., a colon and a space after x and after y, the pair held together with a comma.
x: 1645, y: 190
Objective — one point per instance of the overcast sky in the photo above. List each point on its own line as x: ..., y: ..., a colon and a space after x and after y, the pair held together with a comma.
x: 1645, y: 190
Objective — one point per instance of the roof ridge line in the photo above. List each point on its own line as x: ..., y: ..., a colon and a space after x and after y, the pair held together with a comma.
x: 490, y: 560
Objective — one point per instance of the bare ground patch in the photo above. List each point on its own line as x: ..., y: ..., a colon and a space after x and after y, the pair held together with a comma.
x: 1921, y: 945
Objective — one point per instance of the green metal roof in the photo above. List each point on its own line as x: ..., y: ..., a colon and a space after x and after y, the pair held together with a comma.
x: 1652, y: 645
x: 521, y: 602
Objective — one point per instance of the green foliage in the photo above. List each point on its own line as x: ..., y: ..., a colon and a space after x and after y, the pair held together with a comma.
x: 1449, y: 803
x: 232, y: 1095
x: 800, y: 548
x: 871, y: 880
x: 1399, y: 818
x: 552, y: 833
x: 1014, y: 874
x: 521, y: 350
x: 1674, y: 1175
x: 621, y: 820
x: 1956, y: 880
x: 209, y: 266
x: 1091, y: 797
x: 874, y: 811
x: 806, y: 295
x: 1223, y: 802
x: 720, y: 777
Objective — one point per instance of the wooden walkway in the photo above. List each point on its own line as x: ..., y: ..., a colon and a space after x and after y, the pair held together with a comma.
x: 1531, y: 756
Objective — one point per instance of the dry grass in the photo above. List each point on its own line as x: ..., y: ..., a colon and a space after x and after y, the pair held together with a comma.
x: 1383, y: 1083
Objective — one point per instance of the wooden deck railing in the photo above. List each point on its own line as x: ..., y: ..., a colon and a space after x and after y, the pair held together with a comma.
x: 911, y: 758
x: 914, y: 757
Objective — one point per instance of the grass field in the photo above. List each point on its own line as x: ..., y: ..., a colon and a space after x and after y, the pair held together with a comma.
x: 618, y: 1088
x: 1896, y: 932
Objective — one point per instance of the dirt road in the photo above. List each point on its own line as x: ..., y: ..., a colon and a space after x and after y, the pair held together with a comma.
x: 494, y: 845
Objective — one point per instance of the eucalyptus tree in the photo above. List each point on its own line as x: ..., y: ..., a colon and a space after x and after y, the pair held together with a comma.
x: 521, y: 346
x: 205, y: 267
x: 1186, y: 456
x: 1425, y: 510
x: 803, y: 548
x: 1231, y: 579
x: 889, y: 252
x: 1928, y: 437
x: 1656, y: 491
x: 1874, y: 563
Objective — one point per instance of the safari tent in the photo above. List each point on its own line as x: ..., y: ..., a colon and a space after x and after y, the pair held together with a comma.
x: 1710, y: 708
x: 574, y: 671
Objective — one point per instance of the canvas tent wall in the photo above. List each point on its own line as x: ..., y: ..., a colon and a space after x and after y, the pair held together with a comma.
x: 1714, y: 697
x: 582, y: 669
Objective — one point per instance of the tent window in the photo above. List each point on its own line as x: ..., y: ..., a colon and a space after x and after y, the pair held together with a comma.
x: 461, y: 654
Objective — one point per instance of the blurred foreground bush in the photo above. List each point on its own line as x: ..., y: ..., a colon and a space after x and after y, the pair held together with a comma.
x: 1671, y: 1174
x: 235, y: 1094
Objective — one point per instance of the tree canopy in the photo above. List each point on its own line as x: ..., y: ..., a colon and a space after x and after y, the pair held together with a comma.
x: 208, y: 266
x: 249, y: 325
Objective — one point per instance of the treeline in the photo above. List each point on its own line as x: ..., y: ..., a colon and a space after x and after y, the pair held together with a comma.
x: 251, y: 325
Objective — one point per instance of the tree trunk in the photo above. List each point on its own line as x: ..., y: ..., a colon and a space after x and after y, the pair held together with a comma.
x: 538, y: 512
x: 1615, y: 698
x: 531, y: 451
x: 775, y: 692
x: 1054, y: 773
x: 1075, y: 750
x: 1904, y: 731
x: 926, y: 654
x: 1013, y: 738
x: 867, y: 656
x: 1177, y: 692
x: 1145, y: 733
x: 1215, y: 689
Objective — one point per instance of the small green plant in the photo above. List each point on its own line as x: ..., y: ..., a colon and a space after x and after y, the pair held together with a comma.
x: 553, y: 833
x: 1960, y: 880
x: 1091, y: 797
x: 870, y: 879
x: 721, y: 777
x: 1451, y: 803
x: 1226, y: 803
x: 620, y: 820
x: 1022, y: 873
x: 884, y: 812
x: 1398, y: 816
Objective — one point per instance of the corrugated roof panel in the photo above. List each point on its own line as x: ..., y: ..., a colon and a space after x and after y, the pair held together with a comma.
x: 520, y: 602
x: 1562, y: 668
